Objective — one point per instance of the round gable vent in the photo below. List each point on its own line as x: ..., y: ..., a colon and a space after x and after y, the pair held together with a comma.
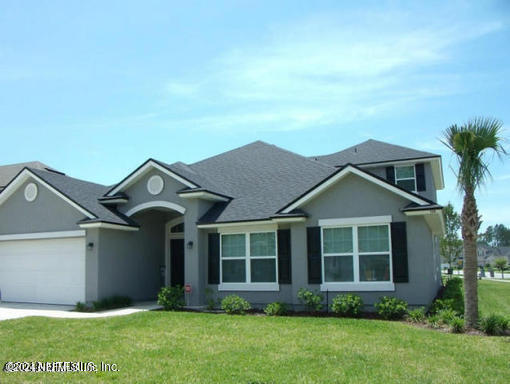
x: 155, y: 185
x: 30, y: 192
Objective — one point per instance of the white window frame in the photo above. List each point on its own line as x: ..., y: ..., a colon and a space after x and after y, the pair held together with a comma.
x: 248, y: 285
x: 406, y: 178
x: 356, y: 284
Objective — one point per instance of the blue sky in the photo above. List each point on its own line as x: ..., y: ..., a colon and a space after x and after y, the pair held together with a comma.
x: 95, y: 88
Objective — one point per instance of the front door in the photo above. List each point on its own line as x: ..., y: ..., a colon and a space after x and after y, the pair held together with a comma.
x: 177, y: 262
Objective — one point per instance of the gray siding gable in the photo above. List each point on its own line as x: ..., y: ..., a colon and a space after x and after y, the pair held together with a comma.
x: 47, y: 213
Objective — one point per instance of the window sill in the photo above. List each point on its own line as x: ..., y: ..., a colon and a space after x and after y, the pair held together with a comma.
x: 361, y: 287
x: 249, y: 287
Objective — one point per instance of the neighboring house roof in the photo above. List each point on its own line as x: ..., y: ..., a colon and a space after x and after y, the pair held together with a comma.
x: 8, y: 172
x: 372, y: 151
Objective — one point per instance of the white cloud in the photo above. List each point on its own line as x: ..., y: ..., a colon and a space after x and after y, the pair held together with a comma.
x: 330, y: 69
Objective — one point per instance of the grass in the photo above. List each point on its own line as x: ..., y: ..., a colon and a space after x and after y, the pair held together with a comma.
x: 494, y: 297
x: 184, y: 347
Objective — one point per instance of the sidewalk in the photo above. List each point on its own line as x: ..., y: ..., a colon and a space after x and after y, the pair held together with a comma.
x: 18, y: 310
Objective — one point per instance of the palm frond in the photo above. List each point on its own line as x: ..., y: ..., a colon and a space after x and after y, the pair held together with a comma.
x: 470, y: 142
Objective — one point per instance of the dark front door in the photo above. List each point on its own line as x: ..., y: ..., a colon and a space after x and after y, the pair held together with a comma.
x: 177, y: 262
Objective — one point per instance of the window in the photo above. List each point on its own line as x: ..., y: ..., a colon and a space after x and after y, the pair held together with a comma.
x: 249, y: 258
x: 178, y: 228
x: 356, y: 253
x: 405, y: 177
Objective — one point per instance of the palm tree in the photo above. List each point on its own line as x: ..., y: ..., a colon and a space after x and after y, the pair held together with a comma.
x: 470, y: 143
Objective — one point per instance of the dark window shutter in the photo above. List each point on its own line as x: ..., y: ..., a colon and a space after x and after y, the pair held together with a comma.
x: 420, y: 177
x: 214, y: 258
x: 313, y: 244
x: 284, y: 257
x: 399, y: 252
x: 390, y: 174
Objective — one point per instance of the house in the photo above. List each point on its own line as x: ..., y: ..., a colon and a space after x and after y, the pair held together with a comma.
x: 258, y: 221
x: 487, y: 254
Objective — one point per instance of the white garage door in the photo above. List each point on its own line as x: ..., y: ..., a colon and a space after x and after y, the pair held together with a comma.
x: 50, y: 271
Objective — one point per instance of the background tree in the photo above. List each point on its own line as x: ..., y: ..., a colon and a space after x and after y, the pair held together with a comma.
x: 487, y: 237
x: 470, y: 143
x: 496, y: 236
x: 501, y: 235
x: 451, y: 244
x: 500, y: 263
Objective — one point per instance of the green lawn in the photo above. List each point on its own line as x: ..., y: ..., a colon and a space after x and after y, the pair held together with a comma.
x: 204, y: 348
x: 494, y: 297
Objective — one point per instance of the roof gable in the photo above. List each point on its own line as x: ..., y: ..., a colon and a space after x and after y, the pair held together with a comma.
x: 340, y: 174
x: 142, y: 170
x: 27, y: 174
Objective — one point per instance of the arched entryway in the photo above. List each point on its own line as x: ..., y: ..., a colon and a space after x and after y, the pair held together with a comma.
x: 163, y: 225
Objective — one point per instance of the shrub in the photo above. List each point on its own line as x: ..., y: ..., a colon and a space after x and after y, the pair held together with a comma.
x: 171, y: 298
x: 447, y: 316
x: 494, y: 324
x: 391, y: 308
x: 111, y: 303
x: 416, y: 315
x: 234, y: 304
x: 433, y: 321
x: 457, y: 325
x: 276, y: 309
x: 312, y: 300
x: 441, y: 304
x: 453, y: 291
x: 82, y: 307
x: 347, y: 305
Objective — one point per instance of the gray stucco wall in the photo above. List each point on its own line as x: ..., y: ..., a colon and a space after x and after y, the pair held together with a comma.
x: 47, y: 213
x: 430, y: 191
x: 92, y: 266
x: 129, y: 262
x: 356, y: 197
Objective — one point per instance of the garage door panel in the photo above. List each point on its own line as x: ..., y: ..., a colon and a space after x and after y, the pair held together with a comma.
x: 43, y: 271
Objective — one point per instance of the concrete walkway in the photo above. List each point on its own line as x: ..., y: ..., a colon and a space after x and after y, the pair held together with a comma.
x: 18, y: 310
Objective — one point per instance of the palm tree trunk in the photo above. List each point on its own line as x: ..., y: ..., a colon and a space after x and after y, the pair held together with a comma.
x: 470, y: 225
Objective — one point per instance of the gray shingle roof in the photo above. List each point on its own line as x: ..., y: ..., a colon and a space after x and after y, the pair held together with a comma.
x: 85, y: 194
x: 8, y: 172
x: 203, y: 181
x: 261, y: 178
x: 372, y: 151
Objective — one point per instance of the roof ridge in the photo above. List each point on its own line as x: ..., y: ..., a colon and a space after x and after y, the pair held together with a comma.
x: 229, y: 151
x: 66, y: 176
x: 301, y: 156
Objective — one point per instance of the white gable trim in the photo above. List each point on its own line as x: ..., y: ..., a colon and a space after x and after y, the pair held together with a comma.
x: 108, y: 226
x: 27, y: 174
x: 156, y: 204
x: 344, y: 172
x: 135, y: 176
x: 202, y: 195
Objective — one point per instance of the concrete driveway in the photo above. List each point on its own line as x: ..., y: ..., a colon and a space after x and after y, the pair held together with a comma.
x: 10, y: 311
